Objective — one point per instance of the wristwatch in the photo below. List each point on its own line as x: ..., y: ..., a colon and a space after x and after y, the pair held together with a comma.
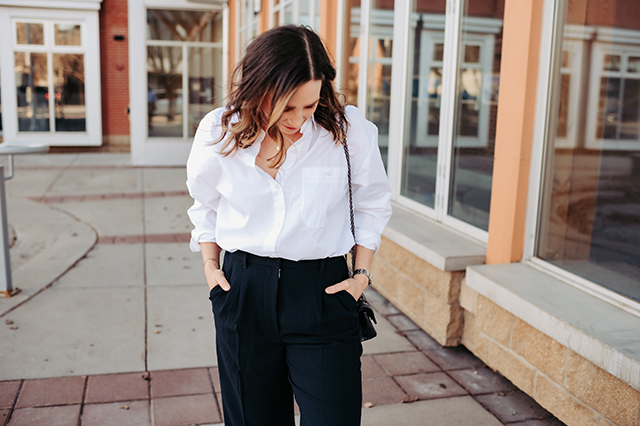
x: 363, y: 272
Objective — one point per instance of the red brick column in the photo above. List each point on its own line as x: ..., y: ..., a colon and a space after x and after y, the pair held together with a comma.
x: 114, y: 75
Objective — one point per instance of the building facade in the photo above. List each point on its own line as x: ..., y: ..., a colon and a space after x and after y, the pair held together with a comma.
x: 510, y: 131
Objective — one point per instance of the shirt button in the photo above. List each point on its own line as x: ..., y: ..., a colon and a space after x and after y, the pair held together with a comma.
x: 274, y: 186
x: 328, y: 173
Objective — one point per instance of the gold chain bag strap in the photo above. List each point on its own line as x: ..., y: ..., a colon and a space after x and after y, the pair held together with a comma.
x: 366, y: 316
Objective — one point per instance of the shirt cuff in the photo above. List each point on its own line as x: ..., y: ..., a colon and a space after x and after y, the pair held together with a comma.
x: 198, y: 237
x: 368, y: 239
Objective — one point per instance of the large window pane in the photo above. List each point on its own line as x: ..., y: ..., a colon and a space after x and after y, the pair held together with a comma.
x: 164, y: 91
x: 380, y: 60
x: 590, y: 212
x: 476, y: 112
x: 32, y: 87
x: 425, y: 88
x: 68, y: 81
x: 182, y: 25
x: 205, y: 83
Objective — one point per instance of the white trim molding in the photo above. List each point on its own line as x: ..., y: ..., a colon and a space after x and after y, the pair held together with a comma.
x: 55, y: 4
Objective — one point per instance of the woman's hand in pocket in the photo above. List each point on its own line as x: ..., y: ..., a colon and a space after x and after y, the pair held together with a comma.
x: 354, y: 286
x: 215, y: 277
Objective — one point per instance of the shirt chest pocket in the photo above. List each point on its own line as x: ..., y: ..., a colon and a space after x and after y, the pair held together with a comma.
x: 323, y: 188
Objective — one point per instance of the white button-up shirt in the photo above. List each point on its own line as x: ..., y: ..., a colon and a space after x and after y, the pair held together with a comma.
x: 301, y: 214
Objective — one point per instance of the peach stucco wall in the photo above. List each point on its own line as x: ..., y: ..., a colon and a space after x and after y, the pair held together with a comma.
x: 518, y: 77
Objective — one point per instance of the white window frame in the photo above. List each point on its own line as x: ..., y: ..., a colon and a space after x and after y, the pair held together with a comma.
x: 279, y: 9
x: 610, y: 42
x: 90, y: 49
x: 146, y: 151
x: 447, y: 29
x: 544, y: 123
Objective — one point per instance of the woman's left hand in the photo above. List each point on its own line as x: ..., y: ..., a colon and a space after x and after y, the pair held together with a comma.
x: 354, y: 286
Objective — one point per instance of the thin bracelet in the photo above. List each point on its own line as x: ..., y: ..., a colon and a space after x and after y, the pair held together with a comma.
x: 211, y: 258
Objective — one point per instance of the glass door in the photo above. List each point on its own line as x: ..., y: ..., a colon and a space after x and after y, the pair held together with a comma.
x: 178, y: 70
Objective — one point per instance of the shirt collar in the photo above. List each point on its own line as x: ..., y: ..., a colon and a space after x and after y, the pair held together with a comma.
x: 249, y: 154
x: 297, y: 150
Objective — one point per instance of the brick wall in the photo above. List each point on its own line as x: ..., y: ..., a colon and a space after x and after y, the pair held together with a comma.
x: 114, y: 65
x: 570, y: 387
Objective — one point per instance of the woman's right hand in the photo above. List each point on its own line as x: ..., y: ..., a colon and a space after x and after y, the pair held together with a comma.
x: 215, y: 276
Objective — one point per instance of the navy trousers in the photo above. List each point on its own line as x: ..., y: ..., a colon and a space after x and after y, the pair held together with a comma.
x: 279, y: 334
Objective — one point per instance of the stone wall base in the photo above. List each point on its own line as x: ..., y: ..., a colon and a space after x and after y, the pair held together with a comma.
x: 429, y: 296
x: 573, y: 389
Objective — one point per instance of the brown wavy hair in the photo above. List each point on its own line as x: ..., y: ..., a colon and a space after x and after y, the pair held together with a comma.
x: 274, y: 66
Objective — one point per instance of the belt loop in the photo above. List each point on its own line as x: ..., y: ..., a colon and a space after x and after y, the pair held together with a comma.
x: 322, y: 262
x: 244, y: 259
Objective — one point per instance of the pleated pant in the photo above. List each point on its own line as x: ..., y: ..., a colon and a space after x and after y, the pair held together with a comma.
x: 278, y: 334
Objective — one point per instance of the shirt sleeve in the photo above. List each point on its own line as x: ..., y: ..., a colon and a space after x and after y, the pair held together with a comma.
x: 203, y: 173
x: 371, y: 190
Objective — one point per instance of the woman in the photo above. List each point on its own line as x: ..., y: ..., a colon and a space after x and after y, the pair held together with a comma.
x: 269, y: 178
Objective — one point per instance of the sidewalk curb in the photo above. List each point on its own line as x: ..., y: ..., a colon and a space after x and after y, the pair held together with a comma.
x: 49, y: 242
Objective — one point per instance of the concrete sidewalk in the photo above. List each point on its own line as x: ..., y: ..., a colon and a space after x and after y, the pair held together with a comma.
x: 113, y: 324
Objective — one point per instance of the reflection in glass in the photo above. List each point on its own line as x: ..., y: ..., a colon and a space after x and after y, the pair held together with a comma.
x: 611, y: 63
x: 305, y: 14
x: 29, y: 33
x: 630, y: 111
x: 67, y: 35
x: 563, y: 112
x: 205, y: 83
x: 288, y: 14
x: 183, y: 25
x: 351, y: 70
x: 618, y: 103
x: 380, y: 61
x: 476, y: 112
x: 471, y: 54
x: 434, y: 93
x: 425, y: 88
x: 590, y: 212
x: 68, y: 85
x: 32, y: 87
x: 164, y: 91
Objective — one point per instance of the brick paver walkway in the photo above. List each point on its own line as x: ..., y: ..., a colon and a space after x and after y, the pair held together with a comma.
x: 192, y: 396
